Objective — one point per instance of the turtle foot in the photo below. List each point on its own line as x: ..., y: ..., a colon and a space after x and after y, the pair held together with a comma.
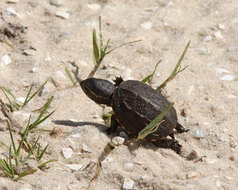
x: 180, y: 129
x: 169, y: 143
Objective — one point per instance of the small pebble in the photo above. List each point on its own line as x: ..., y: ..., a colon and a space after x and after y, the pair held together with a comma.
x: 128, y: 166
x: 94, y: 6
x: 74, y: 167
x: 60, y: 74
x: 233, y: 144
x: 228, y: 177
x: 34, y: 69
x: 223, y: 138
x: 151, y: 9
x: 192, y: 156
x: 62, y: 14
x: 218, y: 35
x: 218, y: 183
x: 232, y: 158
x: 57, y: 3
x: 146, y: 25
x: 6, y: 59
x: 75, y: 133
x: 85, y: 148
x: 232, y: 48
x: 221, y: 26
x: 221, y: 70
x: 12, y: 1
x: 211, y: 161
x: 12, y: 11
x: 118, y: 140
x: 198, y: 134
x: 192, y: 175
x: 231, y: 96
x: 67, y: 152
x: 207, y: 38
x: 28, y: 52
x: 128, y: 183
x: 63, y: 34
x: 227, y: 77
x: 48, y: 58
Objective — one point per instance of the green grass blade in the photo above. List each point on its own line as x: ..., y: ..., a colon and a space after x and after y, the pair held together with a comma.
x: 24, y: 135
x: 70, y: 76
x: 124, y: 44
x: 38, y: 122
x: 177, y: 68
x: 100, y: 34
x: 181, y: 57
x: 28, y: 98
x: 8, y: 91
x: 5, y: 168
x: 32, y: 149
x: 153, y: 125
x: 106, y: 47
x: 10, y: 162
x: 149, y: 77
x: 5, y: 93
x: 42, y: 153
x: 44, y: 163
x: 12, y: 139
x: 45, y: 107
x: 96, y: 52
x: 29, y: 172
x: 4, y: 165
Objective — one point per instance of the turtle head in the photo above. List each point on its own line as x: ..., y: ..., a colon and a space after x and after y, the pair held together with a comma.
x: 98, y: 90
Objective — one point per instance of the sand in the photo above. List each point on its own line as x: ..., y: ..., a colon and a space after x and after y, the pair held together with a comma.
x: 205, y: 94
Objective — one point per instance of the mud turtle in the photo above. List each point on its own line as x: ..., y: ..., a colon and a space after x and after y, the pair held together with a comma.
x: 135, y: 104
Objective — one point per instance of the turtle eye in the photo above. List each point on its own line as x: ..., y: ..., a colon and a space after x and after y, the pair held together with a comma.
x: 99, y: 90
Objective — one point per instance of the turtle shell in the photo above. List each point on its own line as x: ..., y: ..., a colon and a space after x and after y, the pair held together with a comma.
x: 136, y: 104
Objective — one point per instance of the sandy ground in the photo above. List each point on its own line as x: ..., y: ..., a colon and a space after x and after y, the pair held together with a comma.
x: 207, y: 91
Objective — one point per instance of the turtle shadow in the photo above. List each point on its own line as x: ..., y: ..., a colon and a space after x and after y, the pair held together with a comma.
x: 100, y: 127
x: 103, y: 128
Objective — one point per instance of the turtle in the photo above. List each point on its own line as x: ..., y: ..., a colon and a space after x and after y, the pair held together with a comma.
x: 134, y: 105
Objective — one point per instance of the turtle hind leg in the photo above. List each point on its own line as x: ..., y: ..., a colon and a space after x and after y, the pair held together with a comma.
x: 113, y: 126
x: 169, y: 143
x: 180, y: 129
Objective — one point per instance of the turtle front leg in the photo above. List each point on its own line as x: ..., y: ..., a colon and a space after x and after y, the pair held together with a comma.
x: 169, y: 143
x: 113, y: 126
x: 180, y: 129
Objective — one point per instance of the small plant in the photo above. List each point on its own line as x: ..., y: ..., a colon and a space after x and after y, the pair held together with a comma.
x: 150, y: 77
x: 12, y: 104
x: 14, y: 166
x: 177, y: 68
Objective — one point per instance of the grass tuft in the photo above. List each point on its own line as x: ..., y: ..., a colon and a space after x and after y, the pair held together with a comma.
x: 177, y: 68
x: 16, y: 160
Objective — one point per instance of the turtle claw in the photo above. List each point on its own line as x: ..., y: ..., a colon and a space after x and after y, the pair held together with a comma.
x: 180, y: 129
x: 175, y: 146
x: 169, y: 143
